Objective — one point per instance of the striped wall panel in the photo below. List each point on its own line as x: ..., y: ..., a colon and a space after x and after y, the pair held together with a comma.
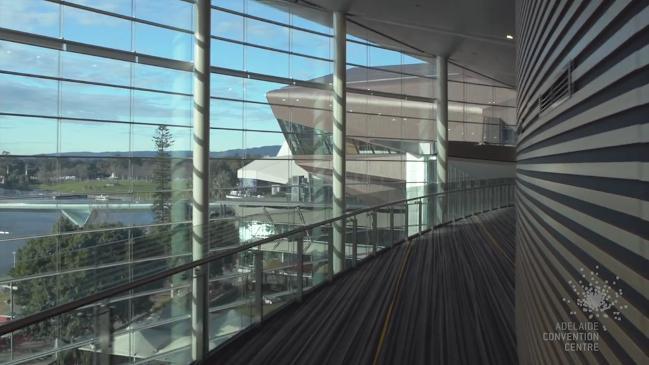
x: 582, y: 269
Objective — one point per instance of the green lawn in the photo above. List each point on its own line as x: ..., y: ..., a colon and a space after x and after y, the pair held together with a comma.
x: 98, y: 187
x: 4, y: 298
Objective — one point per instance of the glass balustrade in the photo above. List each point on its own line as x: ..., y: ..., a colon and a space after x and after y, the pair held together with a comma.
x: 146, y: 317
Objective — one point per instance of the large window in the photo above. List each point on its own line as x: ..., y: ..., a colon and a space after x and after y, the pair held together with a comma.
x: 95, y: 164
x: 96, y: 144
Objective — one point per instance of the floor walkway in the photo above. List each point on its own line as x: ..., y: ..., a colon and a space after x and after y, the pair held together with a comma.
x: 445, y: 298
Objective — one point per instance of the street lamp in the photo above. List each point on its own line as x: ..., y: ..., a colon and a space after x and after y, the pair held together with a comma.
x: 11, y: 289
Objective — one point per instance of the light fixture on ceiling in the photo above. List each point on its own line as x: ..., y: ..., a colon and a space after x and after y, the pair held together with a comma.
x: 509, y: 36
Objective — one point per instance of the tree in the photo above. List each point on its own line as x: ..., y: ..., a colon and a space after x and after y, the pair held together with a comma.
x: 69, y: 263
x: 162, y: 140
x: 224, y: 177
x: 15, y: 172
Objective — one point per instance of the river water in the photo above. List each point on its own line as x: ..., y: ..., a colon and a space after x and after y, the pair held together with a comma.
x: 16, y: 226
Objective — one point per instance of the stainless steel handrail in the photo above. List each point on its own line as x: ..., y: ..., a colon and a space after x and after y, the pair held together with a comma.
x: 98, y: 297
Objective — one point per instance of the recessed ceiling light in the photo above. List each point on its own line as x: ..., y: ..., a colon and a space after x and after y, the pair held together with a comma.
x: 509, y: 36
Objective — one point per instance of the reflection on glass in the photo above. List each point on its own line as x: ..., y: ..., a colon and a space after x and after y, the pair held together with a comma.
x: 226, y: 54
x: 311, y: 44
x: 266, y: 62
x: 227, y: 25
x: 41, y: 132
x: 160, y: 108
x: 163, y: 42
x: 262, y: 116
x: 266, y: 34
x: 32, y: 16
x: 27, y: 95
x: 308, y: 69
x: 170, y: 12
x: 114, y: 6
x: 95, y: 102
x: 28, y: 59
x: 163, y: 79
x: 95, y: 69
x: 226, y: 114
x: 109, y: 139
x: 98, y: 29
x: 225, y: 86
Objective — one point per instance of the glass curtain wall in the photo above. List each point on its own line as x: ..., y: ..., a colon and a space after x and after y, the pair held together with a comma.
x: 95, y: 120
x: 480, y: 109
x: 96, y: 144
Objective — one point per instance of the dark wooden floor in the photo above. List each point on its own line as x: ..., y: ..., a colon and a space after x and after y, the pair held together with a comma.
x: 446, y: 298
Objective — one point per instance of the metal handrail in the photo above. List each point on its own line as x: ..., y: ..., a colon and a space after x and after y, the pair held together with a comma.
x: 17, y: 324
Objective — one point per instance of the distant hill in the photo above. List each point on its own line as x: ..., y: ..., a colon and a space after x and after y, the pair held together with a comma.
x: 256, y: 151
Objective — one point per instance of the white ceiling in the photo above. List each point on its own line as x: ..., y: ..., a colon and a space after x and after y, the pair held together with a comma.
x: 471, y: 33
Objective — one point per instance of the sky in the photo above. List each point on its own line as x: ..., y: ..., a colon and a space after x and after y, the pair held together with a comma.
x: 44, y: 97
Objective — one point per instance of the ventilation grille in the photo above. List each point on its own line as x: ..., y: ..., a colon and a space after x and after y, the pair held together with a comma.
x: 558, y: 92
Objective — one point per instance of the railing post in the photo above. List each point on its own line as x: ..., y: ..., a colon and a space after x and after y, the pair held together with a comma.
x: 259, y: 283
x: 490, y: 197
x: 330, y: 271
x: 405, y: 220
x: 434, y: 215
x: 105, y: 334
x: 391, y: 225
x: 420, y: 202
x: 461, y: 202
x: 375, y: 230
x: 482, y: 198
x: 354, y: 241
x: 498, y: 195
x: 465, y: 201
x: 449, y: 205
x: 300, y: 265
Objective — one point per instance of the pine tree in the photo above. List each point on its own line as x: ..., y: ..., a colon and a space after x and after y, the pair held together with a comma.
x: 162, y: 140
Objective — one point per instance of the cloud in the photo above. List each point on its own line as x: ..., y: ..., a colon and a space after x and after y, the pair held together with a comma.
x: 30, y: 16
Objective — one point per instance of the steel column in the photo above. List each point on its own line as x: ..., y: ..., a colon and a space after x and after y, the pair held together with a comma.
x: 442, y: 136
x: 200, y: 177
x: 339, y: 132
x: 300, y: 266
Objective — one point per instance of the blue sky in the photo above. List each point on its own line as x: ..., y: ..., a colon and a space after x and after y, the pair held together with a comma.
x: 25, y: 95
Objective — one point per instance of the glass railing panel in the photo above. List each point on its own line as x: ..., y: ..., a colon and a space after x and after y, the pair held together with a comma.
x: 316, y: 256
x: 151, y: 323
x: 364, y: 233
x: 29, y: 342
x: 136, y: 326
x: 279, y: 284
x: 351, y: 233
x: 230, y: 295
x: 382, y: 228
x: 399, y: 225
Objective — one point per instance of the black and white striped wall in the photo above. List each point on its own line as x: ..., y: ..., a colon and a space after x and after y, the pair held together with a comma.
x: 583, y: 181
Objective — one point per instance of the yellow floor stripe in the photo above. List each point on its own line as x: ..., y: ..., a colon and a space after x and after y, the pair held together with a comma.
x: 388, y: 315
